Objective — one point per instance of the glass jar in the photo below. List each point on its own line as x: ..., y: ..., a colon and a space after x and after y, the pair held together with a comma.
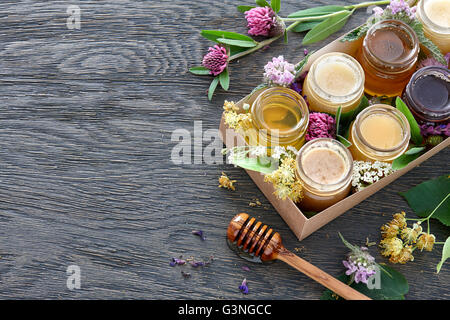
x: 325, y: 166
x: 427, y: 94
x: 380, y: 132
x: 388, y: 56
x: 334, y: 79
x: 435, y: 18
x: 280, y: 117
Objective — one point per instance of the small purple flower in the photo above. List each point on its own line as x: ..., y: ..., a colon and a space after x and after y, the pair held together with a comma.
x: 199, y: 233
x: 305, y: 52
x: 400, y: 6
x: 245, y: 268
x: 321, y: 125
x: 377, y: 11
x: 197, y: 264
x: 360, y: 265
x: 297, y: 86
x: 432, y: 129
x: 243, y: 287
x: 176, y: 261
x: 279, y: 72
x: 261, y: 21
x: 216, y: 60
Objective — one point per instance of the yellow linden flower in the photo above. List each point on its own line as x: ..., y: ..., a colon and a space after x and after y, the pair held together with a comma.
x: 403, y: 257
x: 225, y: 182
x: 399, y: 220
x: 410, y: 235
x: 230, y: 106
x: 391, y: 246
x: 389, y: 231
x: 426, y: 241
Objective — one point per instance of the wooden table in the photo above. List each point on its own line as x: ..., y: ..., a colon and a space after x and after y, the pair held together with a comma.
x: 86, y: 176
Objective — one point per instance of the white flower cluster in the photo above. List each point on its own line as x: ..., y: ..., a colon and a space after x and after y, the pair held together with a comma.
x: 366, y: 173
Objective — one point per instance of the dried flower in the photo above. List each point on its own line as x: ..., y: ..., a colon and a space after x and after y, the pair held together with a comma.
x: 225, y: 182
x: 403, y: 256
x: 216, y: 60
x: 410, y: 235
x: 391, y: 246
x: 366, y: 173
x: 185, y: 274
x: 199, y: 233
x: 176, y: 261
x: 243, y: 287
x: 321, y: 125
x: 284, y: 180
x: 426, y: 241
x: 230, y: 106
x: 279, y: 72
x: 433, y: 141
x: 263, y: 21
x: 432, y: 62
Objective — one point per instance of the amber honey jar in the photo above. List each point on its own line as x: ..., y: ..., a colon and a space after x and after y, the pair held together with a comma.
x: 379, y: 133
x: 388, y: 56
x: 325, y: 167
x: 280, y: 117
x: 435, y: 18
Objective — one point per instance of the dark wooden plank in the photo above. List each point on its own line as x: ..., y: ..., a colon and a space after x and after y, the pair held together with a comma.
x: 85, y: 170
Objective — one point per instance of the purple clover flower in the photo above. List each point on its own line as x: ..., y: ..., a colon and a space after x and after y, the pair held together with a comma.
x: 279, y: 72
x: 261, y: 21
x: 321, y: 125
x: 400, y: 6
x: 216, y: 60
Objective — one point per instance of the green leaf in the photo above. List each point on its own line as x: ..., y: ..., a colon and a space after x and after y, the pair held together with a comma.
x: 224, y: 79
x: 416, y: 137
x: 355, y: 34
x: 317, y: 11
x: 305, y: 26
x: 299, y: 66
x: 213, y: 35
x: 327, y: 27
x: 344, y: 141
x: 259, y: 87
x: 409, y: 156
x: 264, y: 165
x: 338, y: 118
x: 262, y: 3
x: 393, y: 286
x: 238, y: 43
x: 347, y: 117
x: 200, y: 71
x: 213, y: 87
x: 445, y: 254
x: 276, y: 5
x: 427, y: 43
x: 244, y: 9
x: 425, y: 197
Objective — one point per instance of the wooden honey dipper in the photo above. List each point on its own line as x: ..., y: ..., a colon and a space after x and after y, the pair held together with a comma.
x: 259, y: 240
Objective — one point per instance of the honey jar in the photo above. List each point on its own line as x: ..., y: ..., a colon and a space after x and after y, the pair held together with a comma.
x: 435, y: 18
x: 388, y: 56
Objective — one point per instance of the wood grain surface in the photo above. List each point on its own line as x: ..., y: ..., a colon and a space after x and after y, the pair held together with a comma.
x: 86, y: 178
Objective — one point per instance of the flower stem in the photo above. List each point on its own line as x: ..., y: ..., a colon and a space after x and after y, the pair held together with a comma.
x: 431, y: 214
x: 312, y: 18
x: 367, y: 4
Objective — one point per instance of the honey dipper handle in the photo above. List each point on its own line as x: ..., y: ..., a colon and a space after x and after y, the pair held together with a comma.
x: 320, y: 276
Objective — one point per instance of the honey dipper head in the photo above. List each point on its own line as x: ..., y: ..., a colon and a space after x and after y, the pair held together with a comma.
x: 253, y: 237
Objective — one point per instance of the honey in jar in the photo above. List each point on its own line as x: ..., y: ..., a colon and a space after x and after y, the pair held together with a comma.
x: 325, y: 167
x: 388, y: 56
x: 435, y: 18
x: 280, y: 117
